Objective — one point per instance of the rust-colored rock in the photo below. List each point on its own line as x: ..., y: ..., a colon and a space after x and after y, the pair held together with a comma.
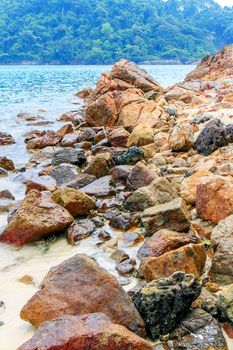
x: 7, y: 164
x: 141, y: 175
x: 141, y: 135
x: 214, y: 200
x: 164, y: 241
x: 41, y: 183
x: 189, y: 259
x: 76, y: 202
x: 118, y: 137
x: 49, y: 138
x: 79, y: 286
x: 91, y: 331
x: 37, y: 217
x: 100, y: 165
x: 214, y: 67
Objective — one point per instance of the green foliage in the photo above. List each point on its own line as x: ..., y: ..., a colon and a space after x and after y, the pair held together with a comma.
x: 103, y: 31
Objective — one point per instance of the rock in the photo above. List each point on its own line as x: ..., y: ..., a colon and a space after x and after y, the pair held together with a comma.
x: 214, y: 67
x: 164, y: 302
x: 129, y: 157
x: 65, y: 130
x: 188, y: 186
x: 63, y: 173
x: 3, y: 173
x: 214, y: 199
x: 222, y: 230
x: 161, y: 142
x: 119, y: 255
x: 7, y: 164
x: 80, y: 181
x: 126, y: 267
x: 79, y: 230
x: 78, y: 286
x: 141, y: 176
x: 37, y: 217
x: 158, y: 192
x: 29, y: 117
x: 6, y: 194
x: 121, y: 172
x: 100, y: 165
x: 172, y: 215
x: 182, y: 137
x: 84, y: 93
x: 121, y: 222
x: 41, y: 183
x: 87, y: 134
x: 70, y: 140
x: 211, y: 137
x: 118, y: 137
x: 221, y: 270
x: 76, y: 202
x: 189, y: 259
x: 90, y: 331
x: 49, y: 138
x: 229, y: 133
x: 141, y: 135
x: 225, y: 302
x: 99, y: 188
x: 6, y: 204
x: 26, y: 279
x: 104, y: 235
x: 164, y: 241
x: 69, y: 156
x: 6, y: 139
x: 198, y: 331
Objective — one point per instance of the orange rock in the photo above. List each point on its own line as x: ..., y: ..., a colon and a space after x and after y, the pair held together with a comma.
x: 189, y: 185
x: 189, y: 259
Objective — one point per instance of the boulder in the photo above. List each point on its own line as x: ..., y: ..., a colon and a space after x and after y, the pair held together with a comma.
x: 164, y: 241
x: 41, y: 183
x: 89, y: 331
x: 158, y: 192
x: 69, y: 156
x: 76, y: 202
x: 182, y: 137
x: 79, y: 286
x: 214, y: 199
x: 141, y: 135
x: 198, y: 331
x: 79, y: 230
x: 37, y: 217
x: 221, y: 270
x: 7, y: 164
x: 188, y: 186
x: 63, y: 173
x: 118, y: 137
x: 48, y: 138
x: 189, y: 259
x: 214, y: 67
x: 225, y: 302
x: 163, y: 303
x: 129, y: 157
x: 6, y: 139
x: 100, y: 165
x: 141, y: 176
x: 172, y: 215
x: 211, y: 137
x: 100, y: 188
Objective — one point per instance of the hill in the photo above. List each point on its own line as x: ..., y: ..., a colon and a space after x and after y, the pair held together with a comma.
x: 103, y: 31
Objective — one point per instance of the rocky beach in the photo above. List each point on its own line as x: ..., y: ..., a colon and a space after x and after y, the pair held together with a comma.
x: 135, y: 191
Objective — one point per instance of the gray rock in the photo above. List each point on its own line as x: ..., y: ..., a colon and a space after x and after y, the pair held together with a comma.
x: 99, y: 188
x: 126, y: 267
x: 64, y: 173
x: 229, y: 133
x: 80, y: 181
x: 225, y: 302
x: 69, y: 155
x: 162, y: 303
x: 79, y: 230
x: 211, y: 137
x: 130, y: 157
x: 198, y: 331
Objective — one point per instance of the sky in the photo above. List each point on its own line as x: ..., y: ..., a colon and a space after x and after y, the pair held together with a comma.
x: 225, y: 2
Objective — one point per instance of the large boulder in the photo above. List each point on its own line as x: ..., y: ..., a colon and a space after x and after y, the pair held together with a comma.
x: 91, y: 331
x: 164, y: 241
x: 162, y: 303
x: 79, y: 286
x: 158, y: 192
x: 189, y: 259
x: 214, y: 199
x: 76, y: 202
x: 37, y: 217
x: 211, y: 137
x: 214, y: 67
x: 119, y: 100
x: 172, y: 215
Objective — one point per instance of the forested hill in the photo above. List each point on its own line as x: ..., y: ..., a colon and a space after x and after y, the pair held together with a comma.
x: 103, y: 31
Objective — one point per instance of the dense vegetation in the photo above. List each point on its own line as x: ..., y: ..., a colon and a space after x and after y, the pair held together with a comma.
x: 102, y: 31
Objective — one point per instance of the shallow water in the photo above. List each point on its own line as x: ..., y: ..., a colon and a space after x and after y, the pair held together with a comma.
x: 51, y: 88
